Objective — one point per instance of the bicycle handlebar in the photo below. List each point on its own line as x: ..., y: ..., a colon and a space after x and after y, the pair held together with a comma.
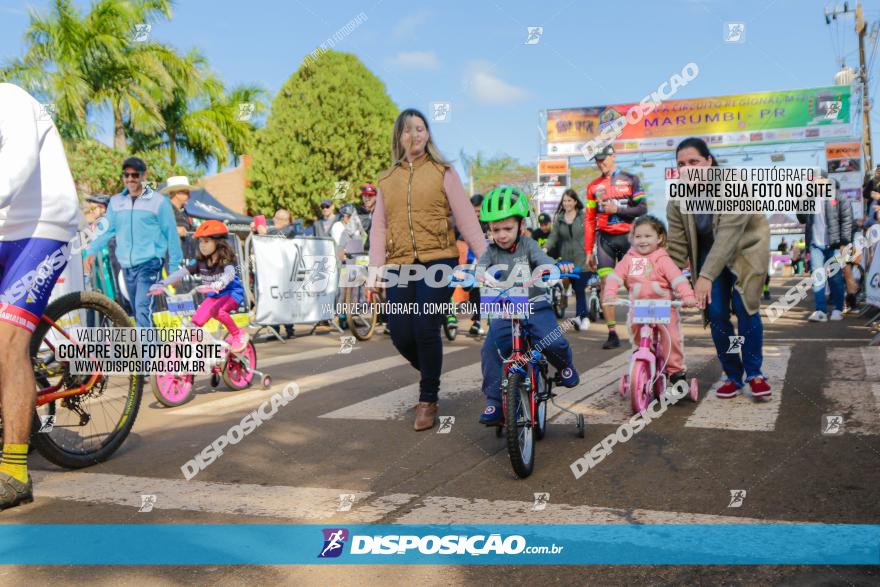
x: 626, y: 302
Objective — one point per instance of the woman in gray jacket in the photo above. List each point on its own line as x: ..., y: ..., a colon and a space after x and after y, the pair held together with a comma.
x: 567, y: 235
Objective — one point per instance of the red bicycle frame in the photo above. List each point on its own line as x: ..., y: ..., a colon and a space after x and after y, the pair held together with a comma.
x: 52, y: 393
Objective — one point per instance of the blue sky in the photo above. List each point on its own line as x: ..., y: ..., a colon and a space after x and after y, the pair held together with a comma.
x: 473, y: 54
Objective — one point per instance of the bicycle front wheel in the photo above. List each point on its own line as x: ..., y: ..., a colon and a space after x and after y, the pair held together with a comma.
x: 557, y: 300
x: 88, y: 427
x: 518, y: 419
x: 640, y: 387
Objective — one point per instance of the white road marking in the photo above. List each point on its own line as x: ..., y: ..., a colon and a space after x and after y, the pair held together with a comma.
x: 313, y: 504
x: 857, y: 401
x: 303, y: 356
x: 853, y: 388
x: 598, y: 387
x: 393, y: 405
x: 741, y: 412
x: 854, y: 363
x: 253, y: 397
x: 296, y: 503
x: 455, y: 510
x: 598, y: 398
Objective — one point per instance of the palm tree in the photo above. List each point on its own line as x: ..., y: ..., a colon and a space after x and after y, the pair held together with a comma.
x: 92, y: 61
x: 199, y: 118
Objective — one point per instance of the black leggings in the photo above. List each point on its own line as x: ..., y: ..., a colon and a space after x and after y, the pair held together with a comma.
x: 416, y: 336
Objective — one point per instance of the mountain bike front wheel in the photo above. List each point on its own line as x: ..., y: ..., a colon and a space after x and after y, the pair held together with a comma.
x: 84, y: 428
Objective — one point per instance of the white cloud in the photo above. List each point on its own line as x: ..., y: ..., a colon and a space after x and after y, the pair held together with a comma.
x: 486, y: 87
x: 409, y: 25
x: 416, y: 60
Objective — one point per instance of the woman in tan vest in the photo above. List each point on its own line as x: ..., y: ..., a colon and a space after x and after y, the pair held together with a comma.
x: 420, y: 200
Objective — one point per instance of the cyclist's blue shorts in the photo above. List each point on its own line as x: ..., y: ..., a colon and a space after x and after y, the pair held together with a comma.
x: 29, y: 269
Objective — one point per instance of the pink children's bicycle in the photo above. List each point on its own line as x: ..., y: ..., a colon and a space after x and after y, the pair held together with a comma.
x: 645, y: 378
x: 238, y: 370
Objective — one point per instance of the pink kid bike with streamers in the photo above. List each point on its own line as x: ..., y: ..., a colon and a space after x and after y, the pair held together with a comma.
x: 237, y: 370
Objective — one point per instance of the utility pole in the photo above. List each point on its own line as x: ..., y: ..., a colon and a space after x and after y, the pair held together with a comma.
x: 861, y: 28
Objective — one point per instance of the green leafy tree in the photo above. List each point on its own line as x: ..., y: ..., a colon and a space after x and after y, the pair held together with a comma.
x: 330, y: 122
x: 488, y: 173
x: 96, y: 167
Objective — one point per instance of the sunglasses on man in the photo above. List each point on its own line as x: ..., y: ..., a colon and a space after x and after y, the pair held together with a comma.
x: 134, y: 174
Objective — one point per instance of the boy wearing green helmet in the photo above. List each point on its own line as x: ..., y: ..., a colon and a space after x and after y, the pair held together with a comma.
x: 505, y: 208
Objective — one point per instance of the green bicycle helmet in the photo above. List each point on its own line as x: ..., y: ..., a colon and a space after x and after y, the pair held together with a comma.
x: 504, y: 202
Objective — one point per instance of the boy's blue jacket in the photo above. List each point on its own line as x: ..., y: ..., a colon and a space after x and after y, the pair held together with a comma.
x: 144, y: 229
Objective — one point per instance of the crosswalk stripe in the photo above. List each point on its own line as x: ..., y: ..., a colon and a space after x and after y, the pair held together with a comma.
x: 858, y: 402
x: 741, y: 412
x: 313, y: 504
x: 598, y: 398
x: 854, y: 363
x: 853, y: 388
x: 393, y: 405
x: 598, y: 386
x: 309, y: 383
x: 299, y: 357
x: 455, y: 510
x: 297, y: 503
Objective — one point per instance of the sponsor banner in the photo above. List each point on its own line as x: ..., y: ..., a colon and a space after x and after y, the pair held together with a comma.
x: 873, y: 281
x: 295, y: 279
x: 276, y: 544
x: 743, y: 119
x: 553, y: 173
x: 852, y: 150
x: 844, y: 161
x: 553, y: 167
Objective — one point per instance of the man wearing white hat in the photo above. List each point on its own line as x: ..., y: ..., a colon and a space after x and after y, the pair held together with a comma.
x: 178, y: 189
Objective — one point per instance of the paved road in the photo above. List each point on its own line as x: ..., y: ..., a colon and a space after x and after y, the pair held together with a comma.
x: 347, y: 438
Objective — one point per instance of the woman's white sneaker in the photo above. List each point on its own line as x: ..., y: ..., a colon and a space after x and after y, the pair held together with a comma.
x: 836, y: 315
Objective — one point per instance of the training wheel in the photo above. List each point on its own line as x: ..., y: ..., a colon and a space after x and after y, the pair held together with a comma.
x: 695, y: 390
x: 215, y: 379
x: 267, y: 382
x: 580, y: 425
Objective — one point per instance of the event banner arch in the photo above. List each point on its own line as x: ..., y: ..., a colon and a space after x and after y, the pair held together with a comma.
x: 726, y: 121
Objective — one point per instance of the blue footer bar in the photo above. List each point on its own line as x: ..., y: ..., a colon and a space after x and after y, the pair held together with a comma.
x: 154, y: 544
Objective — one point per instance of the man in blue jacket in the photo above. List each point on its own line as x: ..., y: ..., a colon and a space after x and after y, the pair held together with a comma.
x: 142, y: 221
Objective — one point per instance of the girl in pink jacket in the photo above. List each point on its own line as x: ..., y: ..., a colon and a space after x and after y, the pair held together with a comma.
x: 649, y: 273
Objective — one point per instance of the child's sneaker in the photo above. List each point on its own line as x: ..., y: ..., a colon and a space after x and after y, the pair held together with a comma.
x: 728, y: 390
x: 476, y: 330
x: 760, y: 387
x: 492, y: 415
x: 613, y: 341
x: 568, y: 377
x: 238, y: 342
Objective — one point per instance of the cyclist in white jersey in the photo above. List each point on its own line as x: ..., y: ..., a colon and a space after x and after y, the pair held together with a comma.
x: 39, y: 215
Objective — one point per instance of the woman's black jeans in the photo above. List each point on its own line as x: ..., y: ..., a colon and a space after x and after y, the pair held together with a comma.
x: 416, y: 336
